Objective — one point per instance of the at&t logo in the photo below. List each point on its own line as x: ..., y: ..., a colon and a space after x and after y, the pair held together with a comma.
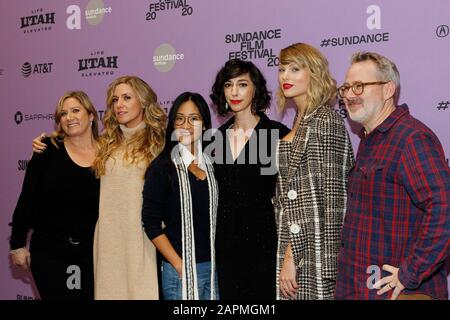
x: 39, y: 68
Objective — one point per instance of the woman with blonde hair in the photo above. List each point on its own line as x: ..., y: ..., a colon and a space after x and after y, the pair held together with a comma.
x: 134, y: 125
x: 314, y: 160
x: 59, y: 201
x: 133, y: 135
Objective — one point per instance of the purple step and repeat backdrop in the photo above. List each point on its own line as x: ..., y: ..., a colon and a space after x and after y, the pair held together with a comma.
x: 49, y: 47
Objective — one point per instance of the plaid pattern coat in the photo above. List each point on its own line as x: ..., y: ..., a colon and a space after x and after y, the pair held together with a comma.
x: 310, y: 200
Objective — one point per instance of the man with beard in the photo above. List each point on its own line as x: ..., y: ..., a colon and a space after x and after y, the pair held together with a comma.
x: 395, y: 236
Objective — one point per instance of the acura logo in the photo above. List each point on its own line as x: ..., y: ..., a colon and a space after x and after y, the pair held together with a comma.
x: 442, y: 31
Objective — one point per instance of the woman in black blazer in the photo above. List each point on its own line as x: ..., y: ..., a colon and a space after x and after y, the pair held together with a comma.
x: 246, y: 173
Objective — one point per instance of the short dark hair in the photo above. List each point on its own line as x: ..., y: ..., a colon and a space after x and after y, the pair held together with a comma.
x: 203, y: 108
x: 234, y: 68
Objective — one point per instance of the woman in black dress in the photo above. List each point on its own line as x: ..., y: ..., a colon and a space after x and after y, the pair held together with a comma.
x: 59, y: 201
x: 244, y: 157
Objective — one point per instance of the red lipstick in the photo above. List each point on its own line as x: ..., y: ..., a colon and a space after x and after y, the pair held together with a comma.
x: 235, y: 101
x: 287, y: 86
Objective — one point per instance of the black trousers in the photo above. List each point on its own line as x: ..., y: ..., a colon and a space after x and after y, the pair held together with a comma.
x: 62, y: 267
x: 246, y: 277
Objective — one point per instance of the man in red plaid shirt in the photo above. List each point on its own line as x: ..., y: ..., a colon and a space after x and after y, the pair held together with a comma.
x: 396, y: 229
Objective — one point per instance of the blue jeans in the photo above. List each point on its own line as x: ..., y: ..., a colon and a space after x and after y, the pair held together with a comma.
x: 171, y: 282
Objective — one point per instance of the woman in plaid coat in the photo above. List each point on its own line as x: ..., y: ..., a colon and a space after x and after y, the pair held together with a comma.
x: 314, y: 161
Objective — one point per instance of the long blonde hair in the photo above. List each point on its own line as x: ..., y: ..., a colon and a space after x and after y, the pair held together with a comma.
x: 86, y: 103
x: 146, y: 144
x: 322, y: 87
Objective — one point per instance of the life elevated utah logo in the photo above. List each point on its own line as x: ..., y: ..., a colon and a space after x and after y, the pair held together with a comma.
x: 39, y: 68
x: 168, y: 5
x: 98, y: 64
x: 38, y: 21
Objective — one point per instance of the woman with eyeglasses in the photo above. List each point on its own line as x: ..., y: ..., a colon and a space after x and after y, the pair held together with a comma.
x: 180, y: 204
x: 314, y: 161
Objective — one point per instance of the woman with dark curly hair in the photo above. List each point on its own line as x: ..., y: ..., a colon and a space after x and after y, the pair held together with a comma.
x: 244, y: 149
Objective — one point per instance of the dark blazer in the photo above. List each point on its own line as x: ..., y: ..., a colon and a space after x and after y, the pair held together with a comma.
x: 246, y: 236
x: 310, y: 201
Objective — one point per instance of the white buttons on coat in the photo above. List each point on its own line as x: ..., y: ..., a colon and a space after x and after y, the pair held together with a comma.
x: 295, y: 228
x: 292, y: 194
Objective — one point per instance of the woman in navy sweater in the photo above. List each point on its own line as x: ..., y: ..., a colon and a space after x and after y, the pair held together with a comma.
x: 180, y: 192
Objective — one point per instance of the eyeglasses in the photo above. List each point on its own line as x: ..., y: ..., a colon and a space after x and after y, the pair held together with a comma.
x: 192, y: 120
x: 357, y: 87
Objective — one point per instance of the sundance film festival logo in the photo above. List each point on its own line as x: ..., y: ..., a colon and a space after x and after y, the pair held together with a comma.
x: 252, y: 45
x: 94, y: 13
x: 168, y: 5
x: 98, y: 64
x: 165, y: 57
x: 442, y: 31
x: 39, y: 68
x: 38, y: 21
x: 341, y: 110
x: 22, y: 165
x: 19, y: 117
x: 373, y: 22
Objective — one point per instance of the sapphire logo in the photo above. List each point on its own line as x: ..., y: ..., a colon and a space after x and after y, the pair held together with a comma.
x: 26, y: 69
x: 39, y: 68
x: 18, y: 117
x: 442, y: 31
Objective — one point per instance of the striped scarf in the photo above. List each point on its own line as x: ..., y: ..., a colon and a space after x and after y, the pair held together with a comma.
x: 189, y: 278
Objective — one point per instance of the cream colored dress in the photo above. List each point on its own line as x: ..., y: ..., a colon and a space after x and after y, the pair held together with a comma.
x: 124, y: 258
